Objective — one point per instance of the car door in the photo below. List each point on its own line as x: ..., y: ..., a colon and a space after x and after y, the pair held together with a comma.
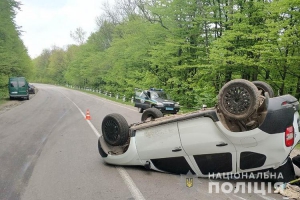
x: 13, y: 86
x: 207, y: 147
x: 139, y: 98
x: 23, y: 86
x: 161, y: 146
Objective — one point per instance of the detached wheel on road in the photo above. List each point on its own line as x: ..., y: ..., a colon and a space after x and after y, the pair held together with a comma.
x: 238, y: 99
x: 151, y: 113
x: 264, y: 87
x: 115, y: 129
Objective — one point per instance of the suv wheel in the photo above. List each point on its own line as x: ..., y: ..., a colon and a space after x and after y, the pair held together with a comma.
x: 264, y: 87
x: 286, y: 172
x: 151, y: 113
x: 238, y: 99
x: 115, y: 129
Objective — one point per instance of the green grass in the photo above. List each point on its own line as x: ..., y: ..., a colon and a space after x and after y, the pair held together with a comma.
x: 298, y: 146
x: 3, y: 100
x: 104, y: 96
x: 128, y: 101
x: 109, y: 98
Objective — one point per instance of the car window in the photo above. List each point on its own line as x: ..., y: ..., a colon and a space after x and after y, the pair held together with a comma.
x: 13, y: 83
x: 142, y: 95
x: 154, y: 95
x: 161, y: 94
x: 21, y: 83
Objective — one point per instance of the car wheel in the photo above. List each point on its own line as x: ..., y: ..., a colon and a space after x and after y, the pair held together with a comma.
x: 140, y: 110
x: 264, y: 87
x: 151, y: 113
x: 238, y: 99
x: 115, y: 129
x: 27, y: 98
x: 286, y: 172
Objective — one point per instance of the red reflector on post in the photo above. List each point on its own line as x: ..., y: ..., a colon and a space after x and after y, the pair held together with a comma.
x: 289, y: 136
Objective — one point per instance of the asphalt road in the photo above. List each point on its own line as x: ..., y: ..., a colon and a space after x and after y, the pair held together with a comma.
x: 49, y: 151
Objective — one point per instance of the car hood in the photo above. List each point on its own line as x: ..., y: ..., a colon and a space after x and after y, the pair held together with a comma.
x: 164, y: 100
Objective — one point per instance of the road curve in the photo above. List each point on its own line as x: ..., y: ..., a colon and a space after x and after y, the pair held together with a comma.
x: 49, y: 151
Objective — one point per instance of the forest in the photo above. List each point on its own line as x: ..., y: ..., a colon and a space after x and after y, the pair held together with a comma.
x: 14, y: 58
x: 189, y: 48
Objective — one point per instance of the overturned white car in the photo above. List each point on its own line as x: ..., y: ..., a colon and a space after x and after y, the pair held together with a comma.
x: 249, y: 130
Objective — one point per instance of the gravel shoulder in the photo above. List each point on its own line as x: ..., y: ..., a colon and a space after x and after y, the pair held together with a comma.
x: 9, y: 105
x: 6, y: 106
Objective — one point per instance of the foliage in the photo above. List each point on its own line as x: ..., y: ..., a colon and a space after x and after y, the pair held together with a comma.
x: 14, y: 59
x: 190, y: 48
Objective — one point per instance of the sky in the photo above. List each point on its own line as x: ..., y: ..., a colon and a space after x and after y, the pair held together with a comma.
x: 46, y: 23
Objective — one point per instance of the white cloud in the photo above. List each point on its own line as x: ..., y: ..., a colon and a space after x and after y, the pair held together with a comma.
x: 47, y: 23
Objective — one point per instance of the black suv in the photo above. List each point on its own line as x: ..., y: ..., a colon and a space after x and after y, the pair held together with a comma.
x: 156, y: 98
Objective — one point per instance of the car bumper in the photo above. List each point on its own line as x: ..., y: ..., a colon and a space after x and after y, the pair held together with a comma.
x: 129, y: 157
x: 18, y: 95
x: 167, y: 111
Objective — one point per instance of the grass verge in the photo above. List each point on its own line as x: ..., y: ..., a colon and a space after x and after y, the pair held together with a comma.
x: 120, y: 100
x: 103, y: 96
x: 3, y: 101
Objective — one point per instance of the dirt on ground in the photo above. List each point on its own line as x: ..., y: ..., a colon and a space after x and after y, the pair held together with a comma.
x: 9, y: 105
x: 13, y: 103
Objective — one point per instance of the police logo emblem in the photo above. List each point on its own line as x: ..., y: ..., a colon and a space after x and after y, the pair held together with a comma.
x: 189, y: 182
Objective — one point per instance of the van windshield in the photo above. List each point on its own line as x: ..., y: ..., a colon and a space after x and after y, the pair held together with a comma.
x: 13, y: 83
x: 21, y: 83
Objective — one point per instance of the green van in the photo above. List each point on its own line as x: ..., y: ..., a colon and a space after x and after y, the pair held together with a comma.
x: 18, y: 88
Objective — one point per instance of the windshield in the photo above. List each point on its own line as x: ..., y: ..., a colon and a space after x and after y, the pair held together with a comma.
x: 13, y: 83
x: 159, y: 94
x: 22, y: 83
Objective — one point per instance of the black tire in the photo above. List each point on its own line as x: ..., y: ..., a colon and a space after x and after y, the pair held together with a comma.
x: 286, y: 172
x: 27, y: 98
x: 264, y: 87
x: 296, y: 161
x: 115, y: 129
x: 151, y: 113
x: 238, y: 99
x: 140, y: 110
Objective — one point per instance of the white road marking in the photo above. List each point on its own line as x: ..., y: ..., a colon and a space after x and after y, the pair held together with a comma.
x: 264, y: 197
x: 239, y: 197
x: 134, y: 190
